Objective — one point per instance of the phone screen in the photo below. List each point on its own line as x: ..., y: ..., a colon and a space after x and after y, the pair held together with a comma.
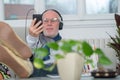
x: 38, y: 18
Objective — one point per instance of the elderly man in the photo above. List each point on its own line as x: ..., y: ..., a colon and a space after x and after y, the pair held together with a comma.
x: 39, y: 35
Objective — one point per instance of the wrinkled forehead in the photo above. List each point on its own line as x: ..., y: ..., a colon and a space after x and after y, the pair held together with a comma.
x: 50, y: 14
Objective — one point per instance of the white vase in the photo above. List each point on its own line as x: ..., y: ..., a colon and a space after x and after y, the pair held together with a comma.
x: 70, y: 68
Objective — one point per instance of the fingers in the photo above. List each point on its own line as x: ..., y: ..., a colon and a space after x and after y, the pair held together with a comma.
x: 39, y: 30
x: 38, y: 24
x: 35, y: 30
x: 35, y: 25
x: 33, y: 22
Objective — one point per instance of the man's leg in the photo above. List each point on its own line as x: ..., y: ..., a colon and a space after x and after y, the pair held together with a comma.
x: 9, y: 37
x: 14, y: 52
x: 23, y: 68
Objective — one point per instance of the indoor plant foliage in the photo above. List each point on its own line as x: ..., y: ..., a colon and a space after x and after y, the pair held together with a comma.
x: 65, y: 47
x: 115, y: 44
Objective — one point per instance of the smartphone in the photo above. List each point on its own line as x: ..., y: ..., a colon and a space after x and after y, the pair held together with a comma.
x: 38, y: 18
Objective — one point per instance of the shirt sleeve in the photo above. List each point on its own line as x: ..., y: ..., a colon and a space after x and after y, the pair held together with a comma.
x: 32, y: 41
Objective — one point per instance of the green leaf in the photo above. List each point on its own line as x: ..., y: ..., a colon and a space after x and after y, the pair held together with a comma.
x: 41, y: 52
x: 58, y: 56
x: 99, y: 52
x: 66, y: 47
x: 72, y: 42
x: 89, y: 61
x: 118, y: 39
x: 53, y: 45
x: 87, y: 49
x: 104, y: 60
x: 38, y: 63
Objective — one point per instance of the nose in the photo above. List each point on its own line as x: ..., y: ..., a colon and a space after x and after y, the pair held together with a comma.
x: 49, y: 22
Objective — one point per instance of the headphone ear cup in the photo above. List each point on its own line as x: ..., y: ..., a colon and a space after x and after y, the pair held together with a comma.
x: 60, y: 26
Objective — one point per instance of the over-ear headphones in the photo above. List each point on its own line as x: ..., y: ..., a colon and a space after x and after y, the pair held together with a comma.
x: 61, y: 22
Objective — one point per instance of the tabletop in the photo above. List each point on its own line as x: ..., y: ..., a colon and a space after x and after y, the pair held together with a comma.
x: 58, y: 78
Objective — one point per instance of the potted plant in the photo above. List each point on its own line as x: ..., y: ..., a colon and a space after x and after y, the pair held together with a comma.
x: 115, y: 44
x: 73, y: 54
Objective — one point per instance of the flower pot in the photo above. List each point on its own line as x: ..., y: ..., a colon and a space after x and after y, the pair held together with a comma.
x: 70, y: 68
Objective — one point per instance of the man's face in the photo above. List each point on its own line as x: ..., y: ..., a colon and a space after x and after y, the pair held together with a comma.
x: 51, y: 22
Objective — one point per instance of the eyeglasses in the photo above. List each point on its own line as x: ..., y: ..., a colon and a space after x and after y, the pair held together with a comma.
x: 52, y: 20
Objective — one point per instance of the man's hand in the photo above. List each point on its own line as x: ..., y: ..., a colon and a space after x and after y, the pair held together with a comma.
x: 35, y: 29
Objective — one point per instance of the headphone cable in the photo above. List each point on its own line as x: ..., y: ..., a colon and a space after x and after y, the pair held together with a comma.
x: 26, y: 22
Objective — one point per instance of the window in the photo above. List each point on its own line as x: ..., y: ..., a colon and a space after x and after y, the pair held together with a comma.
x: 74, y: 12
x: 17, y: 9
x: 66, y: 7
x: 97, y: 9
x: 101, y: 6
x: 70, y: 9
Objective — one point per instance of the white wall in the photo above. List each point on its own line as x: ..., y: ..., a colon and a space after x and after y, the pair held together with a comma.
x: 77, y: 32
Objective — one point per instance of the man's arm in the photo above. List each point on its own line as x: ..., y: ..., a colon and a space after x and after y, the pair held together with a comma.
x: 32, y: 41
